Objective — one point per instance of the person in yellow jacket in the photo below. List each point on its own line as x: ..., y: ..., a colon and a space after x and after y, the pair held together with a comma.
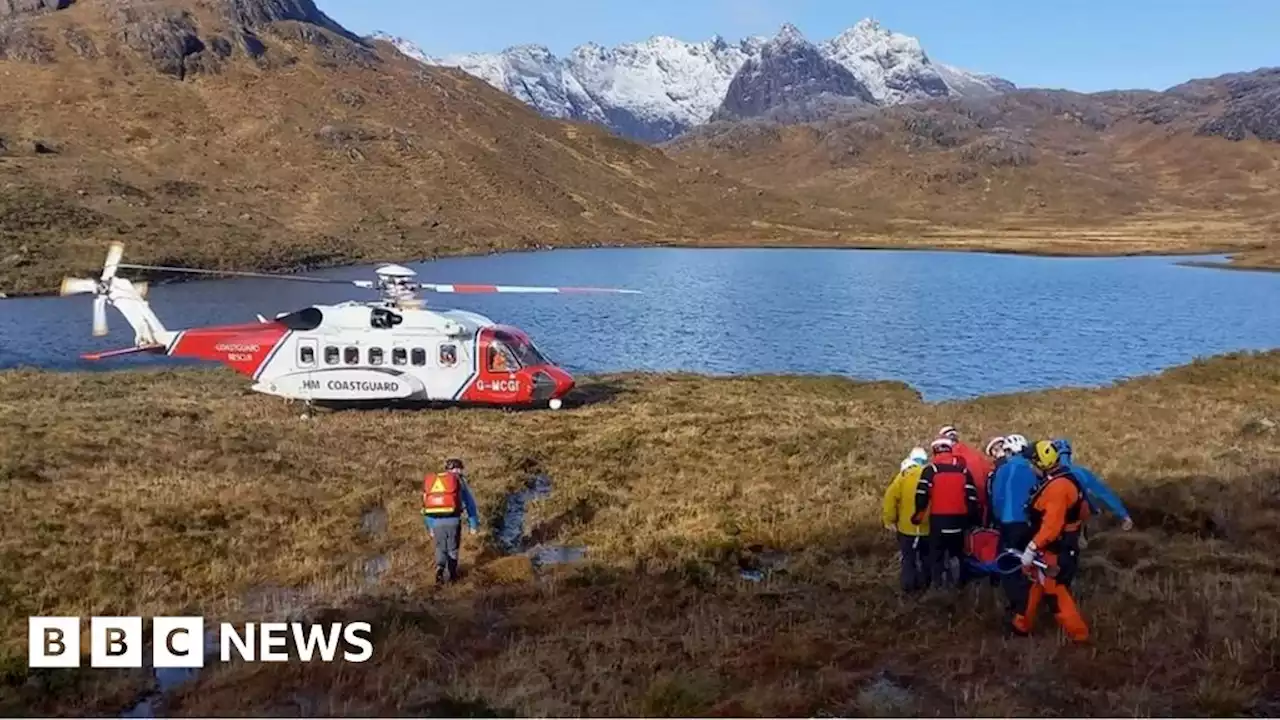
x: 913, y: 539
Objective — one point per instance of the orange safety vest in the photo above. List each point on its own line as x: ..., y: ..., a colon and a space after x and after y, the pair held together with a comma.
x: 441, y: 494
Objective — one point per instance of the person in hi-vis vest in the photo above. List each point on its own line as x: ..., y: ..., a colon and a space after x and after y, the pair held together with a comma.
x: 445, y: 496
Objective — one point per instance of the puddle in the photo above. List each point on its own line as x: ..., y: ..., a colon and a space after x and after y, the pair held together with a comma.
x: 170, y: 679
x: 510, y: 535
x: 373, y: 522
x: 557, y: 554
x: 374, y: 567
x: 759, y: 562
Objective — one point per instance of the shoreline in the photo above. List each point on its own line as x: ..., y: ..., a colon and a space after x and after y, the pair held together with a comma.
x: 586, y: 380
x: 1232, y: 253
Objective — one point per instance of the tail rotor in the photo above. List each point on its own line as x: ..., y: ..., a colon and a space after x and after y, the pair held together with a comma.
x: 101, y: 288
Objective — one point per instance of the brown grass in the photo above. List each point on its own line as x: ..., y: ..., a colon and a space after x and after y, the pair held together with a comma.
x: 320, y: 153
x: 1019, y: 171
x: 178, y: 491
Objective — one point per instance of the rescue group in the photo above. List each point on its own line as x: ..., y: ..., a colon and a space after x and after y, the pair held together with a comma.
x: 1014, y: 514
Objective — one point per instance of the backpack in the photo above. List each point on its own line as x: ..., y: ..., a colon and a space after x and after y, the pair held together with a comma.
x: 440, y: 494
x: 982, y: 546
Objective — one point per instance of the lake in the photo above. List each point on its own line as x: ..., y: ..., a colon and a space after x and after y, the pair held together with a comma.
x: 953, y: 325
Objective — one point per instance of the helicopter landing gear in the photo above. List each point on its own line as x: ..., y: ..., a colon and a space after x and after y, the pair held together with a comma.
x: 306, y: 410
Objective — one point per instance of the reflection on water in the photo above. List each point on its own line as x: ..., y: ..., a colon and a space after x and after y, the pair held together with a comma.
x: 951, y: 324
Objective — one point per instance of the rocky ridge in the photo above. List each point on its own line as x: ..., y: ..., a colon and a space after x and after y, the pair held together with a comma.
x: 660, y: 88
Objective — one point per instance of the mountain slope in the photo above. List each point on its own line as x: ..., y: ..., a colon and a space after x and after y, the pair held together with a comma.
x: 260, y: 133
x: 1200, y: 160
x: 788, y: 71
x: 657, y: 89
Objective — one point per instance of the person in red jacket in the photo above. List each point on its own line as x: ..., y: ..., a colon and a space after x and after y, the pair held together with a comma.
x: 979, y: 464
x: 947, y: 493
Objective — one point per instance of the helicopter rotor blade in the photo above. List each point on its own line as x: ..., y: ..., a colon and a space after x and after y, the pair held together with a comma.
x: 236, y: 273
x: 77, y: 286
x: 517, y: 289
x: 114, y: 252
x: 100, y: 316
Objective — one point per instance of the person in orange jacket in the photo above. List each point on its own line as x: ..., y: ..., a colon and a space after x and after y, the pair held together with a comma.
x: 980, y: 466
x: 1056, y: 510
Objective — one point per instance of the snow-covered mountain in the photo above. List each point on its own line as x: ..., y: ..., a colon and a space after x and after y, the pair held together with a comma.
x: 657, y: 89
x: 789, y: 71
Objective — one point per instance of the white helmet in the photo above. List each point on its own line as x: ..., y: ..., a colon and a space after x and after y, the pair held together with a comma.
x: 942, y: 444
x: 948, y: 431
x: 1015, y: 443
x: 995, y: 446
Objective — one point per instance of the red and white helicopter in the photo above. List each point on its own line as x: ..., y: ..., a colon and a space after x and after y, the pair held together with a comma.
x: 387, y: 352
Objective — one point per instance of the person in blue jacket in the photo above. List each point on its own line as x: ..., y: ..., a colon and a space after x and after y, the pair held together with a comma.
x: 1096, y: 491
x: 1011, y: 488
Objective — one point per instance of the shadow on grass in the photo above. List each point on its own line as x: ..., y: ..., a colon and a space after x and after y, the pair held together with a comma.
x: 685, y: 635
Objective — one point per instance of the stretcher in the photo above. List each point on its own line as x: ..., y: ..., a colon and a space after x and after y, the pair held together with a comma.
x: 983, y: 554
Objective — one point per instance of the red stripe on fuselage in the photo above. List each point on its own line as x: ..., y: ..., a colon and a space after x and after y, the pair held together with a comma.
x: 243, y: 348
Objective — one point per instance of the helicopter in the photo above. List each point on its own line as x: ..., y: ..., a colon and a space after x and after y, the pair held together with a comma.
x: 388, y: 352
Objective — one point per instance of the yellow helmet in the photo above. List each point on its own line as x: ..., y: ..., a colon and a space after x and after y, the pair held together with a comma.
x: 1046, y: 455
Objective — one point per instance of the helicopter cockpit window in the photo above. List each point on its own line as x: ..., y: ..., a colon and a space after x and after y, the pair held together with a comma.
x: 384, y: 319
x: 330, y: 355
x: 501, y: 359
x: 418, y: 356
x: 351, y: 355
x: 448, y: 355
x: 399, y: 356
x: 525, y: 353
x: 375, y: 356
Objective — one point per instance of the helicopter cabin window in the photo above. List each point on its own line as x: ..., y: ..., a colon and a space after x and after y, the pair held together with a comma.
x: 351, y: 355
x: 419, y: 356
x: 375, y: 356
x: 448, y: 355
x: 330, y: 355
x: 306, y: 355
x: 399, y: 356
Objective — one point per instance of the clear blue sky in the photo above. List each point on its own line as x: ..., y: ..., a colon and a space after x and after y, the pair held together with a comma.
x: 1083, y: 45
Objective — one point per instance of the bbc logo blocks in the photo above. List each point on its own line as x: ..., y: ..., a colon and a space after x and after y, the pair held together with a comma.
x: 181, y: 642
x: 115, y: 642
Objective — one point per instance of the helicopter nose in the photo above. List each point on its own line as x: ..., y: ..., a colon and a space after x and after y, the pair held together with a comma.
x: 551, y: 382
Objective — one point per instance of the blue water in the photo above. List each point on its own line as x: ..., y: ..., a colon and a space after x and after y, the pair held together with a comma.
x: 952, y: 325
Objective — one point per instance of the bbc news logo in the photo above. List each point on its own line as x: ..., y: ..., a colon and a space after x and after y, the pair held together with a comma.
x: 180, y: 642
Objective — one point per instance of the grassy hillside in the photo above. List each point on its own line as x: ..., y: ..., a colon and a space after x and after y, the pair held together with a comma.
x: 260, y: 134
x: 179, y: 492
x: 1192, y: 167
